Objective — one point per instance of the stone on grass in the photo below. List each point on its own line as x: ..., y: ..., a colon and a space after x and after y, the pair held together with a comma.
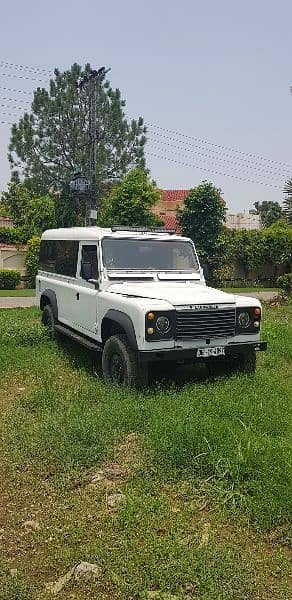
x: 86, y: 571
x: 31, y: 525
x: 56, y: 586
x: 114, y: 501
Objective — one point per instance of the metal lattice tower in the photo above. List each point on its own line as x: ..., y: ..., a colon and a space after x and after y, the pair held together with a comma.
x: 91, y: 80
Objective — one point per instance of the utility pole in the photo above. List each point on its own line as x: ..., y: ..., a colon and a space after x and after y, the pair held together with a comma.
x: 91, y: 80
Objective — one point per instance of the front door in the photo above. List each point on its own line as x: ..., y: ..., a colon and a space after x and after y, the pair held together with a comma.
x: 86, y: 294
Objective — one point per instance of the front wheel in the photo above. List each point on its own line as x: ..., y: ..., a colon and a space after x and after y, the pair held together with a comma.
x: 120, y: 363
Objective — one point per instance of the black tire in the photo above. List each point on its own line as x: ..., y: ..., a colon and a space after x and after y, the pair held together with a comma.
x: 120, y: 363
x: 48, y: 320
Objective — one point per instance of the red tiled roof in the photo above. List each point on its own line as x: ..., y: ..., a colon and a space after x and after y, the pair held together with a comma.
x: 170, y: 222
x: 174, y: 195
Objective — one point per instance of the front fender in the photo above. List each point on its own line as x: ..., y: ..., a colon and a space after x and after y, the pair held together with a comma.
x: 125, y: 322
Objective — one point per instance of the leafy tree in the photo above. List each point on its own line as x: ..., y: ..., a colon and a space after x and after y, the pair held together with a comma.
x: 50, y: 143
x: 269, y: 212
x: 16, y: 199
x: 31, y: 214
x: 287, y: 204
x: 248, y: 249
x: 131, y: 202
x: 278, y: 245
x: 202, y: 219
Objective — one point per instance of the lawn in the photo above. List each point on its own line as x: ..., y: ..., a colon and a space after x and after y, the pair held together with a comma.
x: 18, y: 293
x: 249, y: 290
x: 180, y: 492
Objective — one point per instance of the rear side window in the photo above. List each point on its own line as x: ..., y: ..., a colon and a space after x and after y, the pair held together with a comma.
x: 59, y: 256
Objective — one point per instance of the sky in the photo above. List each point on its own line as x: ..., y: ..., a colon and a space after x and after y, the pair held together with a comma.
x: 217, y: 74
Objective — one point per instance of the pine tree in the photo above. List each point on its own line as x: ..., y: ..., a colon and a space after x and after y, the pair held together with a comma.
x: 50, y: 143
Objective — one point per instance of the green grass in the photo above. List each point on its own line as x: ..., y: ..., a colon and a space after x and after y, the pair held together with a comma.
x: 18, y: 293
x: 207, y: 499
x: 249, y: 290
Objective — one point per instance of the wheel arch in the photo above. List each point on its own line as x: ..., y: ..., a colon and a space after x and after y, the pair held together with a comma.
x: 116, y: 321
x: 49, y: 297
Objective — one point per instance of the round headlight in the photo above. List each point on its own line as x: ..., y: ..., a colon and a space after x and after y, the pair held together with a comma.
x: 244, y: 320
x: 163, y: 324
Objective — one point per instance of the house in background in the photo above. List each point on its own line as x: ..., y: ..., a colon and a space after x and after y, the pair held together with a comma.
x: 243, y: 221
x: 6, y: 222
x: 167, y: 206
x: 172, y: 199
x: 11, y: 255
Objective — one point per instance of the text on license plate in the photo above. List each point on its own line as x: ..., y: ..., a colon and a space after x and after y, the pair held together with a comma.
x: 216, y: 351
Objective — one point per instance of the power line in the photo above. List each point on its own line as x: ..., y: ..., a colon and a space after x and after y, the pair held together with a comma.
x: 235, y: 166
x: 14, y: 90
x: 26, y: 68
x: 221, y: 156
x: 155, y: 126
x: 21, y: 77
x: 14, y: 100
x: 10, y: 114
x: 12, y: 107
x: 214, y: 171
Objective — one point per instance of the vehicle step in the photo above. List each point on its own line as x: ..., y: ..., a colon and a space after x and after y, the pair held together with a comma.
x: 79, y: 338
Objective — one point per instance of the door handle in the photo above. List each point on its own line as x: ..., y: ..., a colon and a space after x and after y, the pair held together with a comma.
x: 77, y: 295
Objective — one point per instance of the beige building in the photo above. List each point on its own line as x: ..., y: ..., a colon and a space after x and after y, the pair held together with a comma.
x: 243, y: 221
x: 12, y: 257
x: 6, y: 222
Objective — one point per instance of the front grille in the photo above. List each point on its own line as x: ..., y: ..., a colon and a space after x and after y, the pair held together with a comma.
x: 193, y: 324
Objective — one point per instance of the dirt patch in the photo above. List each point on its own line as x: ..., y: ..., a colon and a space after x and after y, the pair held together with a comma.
x: 129, y: 457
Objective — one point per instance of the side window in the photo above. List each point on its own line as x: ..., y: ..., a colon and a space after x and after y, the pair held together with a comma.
x: 59, y: 256
x: 66, y: 257
x: 89, y: 265
x: 47, y: 257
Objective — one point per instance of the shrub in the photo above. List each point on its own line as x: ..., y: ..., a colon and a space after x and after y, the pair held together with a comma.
x: 9, y: 279
x: 32, y: 259
x: 284, y: 283
x: 10, y: 235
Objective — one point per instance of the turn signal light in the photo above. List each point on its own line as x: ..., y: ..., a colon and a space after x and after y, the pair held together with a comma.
x: 257, y: 312
x: 151, y: 316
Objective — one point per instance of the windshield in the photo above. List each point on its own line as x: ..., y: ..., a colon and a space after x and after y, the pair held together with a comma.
x: 150, y: 255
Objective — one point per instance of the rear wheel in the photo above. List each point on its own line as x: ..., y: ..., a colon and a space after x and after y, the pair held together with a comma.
x: 48, y: 320
x: 120, y: 363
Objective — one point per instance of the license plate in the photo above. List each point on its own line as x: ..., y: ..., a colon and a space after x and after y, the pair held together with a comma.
x: 206, y: 352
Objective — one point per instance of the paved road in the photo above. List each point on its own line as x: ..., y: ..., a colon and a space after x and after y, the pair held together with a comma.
x: 260, y: 295
x: 15, y: 302
x: 11, y: 302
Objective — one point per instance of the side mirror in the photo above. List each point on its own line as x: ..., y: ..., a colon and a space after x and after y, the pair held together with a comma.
x: 86, y: 270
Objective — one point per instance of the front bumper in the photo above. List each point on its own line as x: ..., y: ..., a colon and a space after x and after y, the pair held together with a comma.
x: 178, y: 354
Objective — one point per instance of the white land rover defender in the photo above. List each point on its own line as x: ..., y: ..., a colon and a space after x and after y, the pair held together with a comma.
x: 138, y: 296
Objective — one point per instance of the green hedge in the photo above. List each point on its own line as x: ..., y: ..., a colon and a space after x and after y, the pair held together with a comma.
x: 9, y: 279
x: 284, y: 283
x: 32, y: 259
x: 10, y: 235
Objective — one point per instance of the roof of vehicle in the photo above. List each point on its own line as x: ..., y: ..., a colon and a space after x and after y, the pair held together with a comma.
x: 96, y: 233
